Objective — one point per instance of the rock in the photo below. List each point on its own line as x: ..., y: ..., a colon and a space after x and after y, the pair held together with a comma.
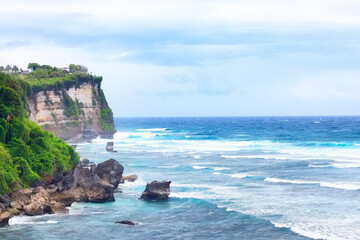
x: 129, y: 178
x: 64, y: 198
x: 110, y: 146
x: 16, y: 205
x: 14, y: 211
x: 110, y: 171
x: 94, y: 183
x: 87, y: 163
x: 5, y: 200
x: 156, y: 191
x: 21, y: 198
x: 37, y: 183
x: 39, y: 203
x: 85, y: 186
x: 4, y: 218
x: 126, y: 222
x: 57, y: 207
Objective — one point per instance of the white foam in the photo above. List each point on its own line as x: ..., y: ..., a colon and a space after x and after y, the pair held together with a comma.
x: 197, y: 195
x: 198, y: 167
x: 151, y: 129
x: 27, y: 220
x: 216, y: 173
x: 319, y: 166
x: 239, y: 175
x: 339, y: 185
x: 220, y: 168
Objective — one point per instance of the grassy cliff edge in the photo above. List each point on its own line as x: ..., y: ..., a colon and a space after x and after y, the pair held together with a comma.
x: 27, y: 152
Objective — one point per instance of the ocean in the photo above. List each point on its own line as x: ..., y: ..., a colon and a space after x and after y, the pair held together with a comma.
x: 232, y: 178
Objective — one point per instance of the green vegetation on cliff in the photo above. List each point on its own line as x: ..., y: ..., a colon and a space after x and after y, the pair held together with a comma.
x: 27, y: 152
x: 49, y: 78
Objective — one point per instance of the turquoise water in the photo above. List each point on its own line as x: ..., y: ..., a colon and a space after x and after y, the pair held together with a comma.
x: 232, y: 178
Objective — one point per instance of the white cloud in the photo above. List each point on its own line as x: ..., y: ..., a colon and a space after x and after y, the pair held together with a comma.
x: 191, y: 58
x: 114, y: 14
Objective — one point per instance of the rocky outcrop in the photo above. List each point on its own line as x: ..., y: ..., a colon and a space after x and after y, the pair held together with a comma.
x: 156, y: 191
x: 85, y: 183
x: 126, y: 222
x: 110, y: 171
x: 4, y: 218
x: 110, y: 146
x: 129, y: 178
x: 31, y: 202
x: 83, y: 121
x: 90, y: 183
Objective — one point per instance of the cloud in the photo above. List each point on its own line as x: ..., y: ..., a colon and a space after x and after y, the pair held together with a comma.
x: 198, y: 58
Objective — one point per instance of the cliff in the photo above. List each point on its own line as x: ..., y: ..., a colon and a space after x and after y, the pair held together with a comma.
x: 76, y: 113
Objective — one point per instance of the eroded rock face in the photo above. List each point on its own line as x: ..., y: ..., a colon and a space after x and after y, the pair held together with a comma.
x: 47, y: 109
x: 4, y: 218
x: 156, y: 191
x: 129, y: 178
x: 85, y: 183
x: 110, y: 171
x: 32, y: 202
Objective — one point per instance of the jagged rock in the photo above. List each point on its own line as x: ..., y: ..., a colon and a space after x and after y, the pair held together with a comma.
x: 82, y: 184
x: 110, y: 171
x: 37, y: 183
x: 14, y: 211
x: 156, y: 191
x: 87, y: 163
x: 16, y: 205
x: 21, y: 198
x: 126, y: 222
x: 39, y: 204
x: 55, y: 177
x: 95, y: 184
x: 4, y: 218
x: 64, y: 198
x: 57, y: 207
x: 110, y: 146
x: 129, y: 178
x: 5, y: 200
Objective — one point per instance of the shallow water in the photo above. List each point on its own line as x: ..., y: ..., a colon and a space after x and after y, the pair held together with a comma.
x: 242, y: 178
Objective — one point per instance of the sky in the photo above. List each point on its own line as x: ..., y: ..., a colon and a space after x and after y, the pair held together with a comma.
x: 172, y: 58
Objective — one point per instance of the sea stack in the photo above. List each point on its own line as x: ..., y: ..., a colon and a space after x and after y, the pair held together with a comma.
x: 155, y: 191
x: 110, y: 146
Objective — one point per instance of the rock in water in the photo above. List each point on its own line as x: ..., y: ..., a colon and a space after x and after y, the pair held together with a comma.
x: 110, y: 146
x: 110, y: 171
x: 156, y: 191
x: 129, y: 178
x: 4, y: 218
x: 126, y: 222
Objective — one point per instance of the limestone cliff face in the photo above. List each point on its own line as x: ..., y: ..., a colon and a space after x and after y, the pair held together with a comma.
x: 75, y: 114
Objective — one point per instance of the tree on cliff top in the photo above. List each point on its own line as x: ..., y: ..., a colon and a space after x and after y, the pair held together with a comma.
x: 33, y: 66
x: 77, y: 68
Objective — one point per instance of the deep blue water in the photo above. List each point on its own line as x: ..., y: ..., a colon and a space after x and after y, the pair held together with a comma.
x: 232, y: 178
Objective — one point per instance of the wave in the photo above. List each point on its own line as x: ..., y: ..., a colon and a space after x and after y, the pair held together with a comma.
x: 239, y: 175
x: 320, y: 166
x: 198, y: 167
x: 27, y: 220
x: 339, y: 185
x: 220, y: 168
x: 152, y: 129
x: 213, y: 168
